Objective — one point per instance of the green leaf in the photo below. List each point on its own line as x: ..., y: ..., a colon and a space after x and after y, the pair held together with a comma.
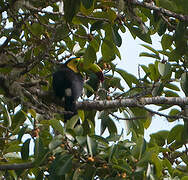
x: 116, y: 37
x: 180, y: 31
x: 158, y: 89
x: 72, y: 122
x: 65, y: 165
x: 97, y: 25
x: 111, y: 15
x: 154, y: 73
x: 129, y: 78
x: 183, y: 5
x: 32, y: 112
x: 151, y: 49
x: 138, y: 33
x: 168, y: 4
x: 175, y: 133
x: 61, y: 32
x: 175, y: 55
x: 69, y: 43
x: 146, y: 69
x: 160, y: 137
x: 107, y: 50
x: 117, y: 52
x: 158, y: 165
x: 22, y: 132
x: 18, y: 119
x: 57, y: 126
x: 77, y: 174
x: 164, y: 69
x: 25, y: 149
x: 100, y: 139
x: 114, y: 137
x: 81, y: 115
x: 145, y: 54
x: 70, y: 8
x: 78, y: 130
x: 55, y: 142
x: 113, y: 82
x: 40, y: 152
x: 146, y: 157
x: 170, y: 94
x: 173, y: 112
x: 172, y: 86
x: 107, y: 122
x: 36, y: 29
x: 95, y: 43
x: 89, y: 172
x: 184, y: 178
x: 122, y: 28
x: 40, y: 175
x: 87, y: 3
x: 6, y: 115
x: 162, y: 26
x: 184, y: 83
x: 80, y: 32
x: 81, y: 140
x: 140, y: 148
x: 148, y: 121
x: 112, y: 149
x: 92, y: 146
x: 89, y: 87
x: 13, y: 146
x: 37, y: 148
x: 166, y: 41
x: 89, y: 56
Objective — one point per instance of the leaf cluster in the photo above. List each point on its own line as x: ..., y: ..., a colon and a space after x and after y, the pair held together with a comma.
x: 37, y: 36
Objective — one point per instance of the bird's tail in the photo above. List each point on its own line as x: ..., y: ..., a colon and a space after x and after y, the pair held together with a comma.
x: 70, y: 107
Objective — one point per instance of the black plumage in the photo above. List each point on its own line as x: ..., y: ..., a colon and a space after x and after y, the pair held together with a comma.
x: 68, y: 85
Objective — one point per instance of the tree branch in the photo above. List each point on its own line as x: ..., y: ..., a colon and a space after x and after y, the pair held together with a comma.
x: 16, y: 29
x: 127, y: 119
x: 131, y: 102
x: 164, y: 11
x: 16, y: 166
x: 7, y: 6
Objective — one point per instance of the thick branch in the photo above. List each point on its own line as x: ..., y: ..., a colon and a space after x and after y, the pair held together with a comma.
x: 111, y: 104
x: 17, y: 166
x: 166, y: 12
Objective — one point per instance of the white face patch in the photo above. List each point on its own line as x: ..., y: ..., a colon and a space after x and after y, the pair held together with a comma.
x: 68, y: 92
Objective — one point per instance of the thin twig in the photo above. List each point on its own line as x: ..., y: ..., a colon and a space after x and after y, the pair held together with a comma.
x: 162, y: 114
x: 75, y: 34
x: 128, y: 119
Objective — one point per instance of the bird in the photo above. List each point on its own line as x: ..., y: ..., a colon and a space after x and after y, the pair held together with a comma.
x: 68, y: 82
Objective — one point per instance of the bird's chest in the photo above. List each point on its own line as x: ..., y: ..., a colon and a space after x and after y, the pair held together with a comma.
x: 67, y: 83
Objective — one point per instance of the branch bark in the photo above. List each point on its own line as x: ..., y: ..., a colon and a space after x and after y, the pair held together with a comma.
x: 16, y: 166
x: 164, y: 11
x: 131, y: 102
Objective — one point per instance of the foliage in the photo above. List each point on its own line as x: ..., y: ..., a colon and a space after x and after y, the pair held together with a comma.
x: 38, y: 35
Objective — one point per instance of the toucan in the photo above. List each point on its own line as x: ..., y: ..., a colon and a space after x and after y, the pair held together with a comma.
x: 68, y: 82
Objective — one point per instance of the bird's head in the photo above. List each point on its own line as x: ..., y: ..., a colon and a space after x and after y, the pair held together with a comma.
x: 73, y: 64
x: 77, y: 65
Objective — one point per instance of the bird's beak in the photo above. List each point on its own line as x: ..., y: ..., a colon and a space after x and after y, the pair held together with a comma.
x: 97, y: 70
x: 92, y: 68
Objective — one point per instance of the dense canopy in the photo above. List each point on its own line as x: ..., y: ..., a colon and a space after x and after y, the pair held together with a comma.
x: 38, y: 36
